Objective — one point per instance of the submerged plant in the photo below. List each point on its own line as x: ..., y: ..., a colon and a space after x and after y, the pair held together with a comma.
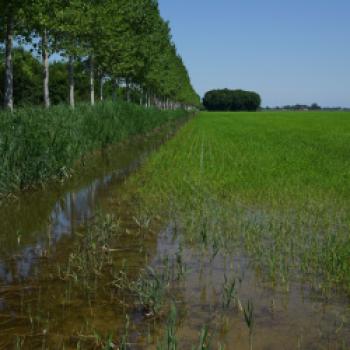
x: 19, y: 342
x: 150, y: 289
x: 229, y: 292
x: 125, y: 336
x: 180, y: 266
x: 143, y: 221
x: 170, y: 341
x: 204, y: 339
x: 248, y: 312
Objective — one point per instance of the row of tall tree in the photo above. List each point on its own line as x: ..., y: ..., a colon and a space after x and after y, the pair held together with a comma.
x: 28, y: 78
x: 122, y: 42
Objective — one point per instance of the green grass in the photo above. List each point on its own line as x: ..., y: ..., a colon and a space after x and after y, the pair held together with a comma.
x: 37, y: 144
x: 273, y: 184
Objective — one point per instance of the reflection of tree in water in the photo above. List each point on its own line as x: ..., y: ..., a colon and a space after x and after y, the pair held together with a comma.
x: 67, y: 306
x: 68, y: 212
x: 46, y: 221
x: 33, y: 226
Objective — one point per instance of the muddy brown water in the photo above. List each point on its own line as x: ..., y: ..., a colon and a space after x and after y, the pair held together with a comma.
x: 38, y: 230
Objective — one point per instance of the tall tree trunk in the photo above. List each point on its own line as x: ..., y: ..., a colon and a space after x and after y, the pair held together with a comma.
x: 115, y: 87
x: 141, y: 96
x: 71, y: 81
x: 128, y: 91
x: 92, y: 81
x: 146, y: 99
x: 8, y: 98
x: 46, y: 71
x: 101, y: 87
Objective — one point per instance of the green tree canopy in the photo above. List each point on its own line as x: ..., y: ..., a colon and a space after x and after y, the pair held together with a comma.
x: 231, y: 100
x: 125, y: 42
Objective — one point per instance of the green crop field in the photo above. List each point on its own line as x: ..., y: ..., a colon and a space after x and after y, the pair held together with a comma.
x: 273, y: 184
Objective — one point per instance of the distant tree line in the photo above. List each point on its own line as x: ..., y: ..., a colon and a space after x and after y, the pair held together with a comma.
x: 105, y: 45
x: 304, y: 107
x: 231, y: 100
x: 298, y: 107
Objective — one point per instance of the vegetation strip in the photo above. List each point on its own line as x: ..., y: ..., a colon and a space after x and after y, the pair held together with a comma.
x: 37, y: 145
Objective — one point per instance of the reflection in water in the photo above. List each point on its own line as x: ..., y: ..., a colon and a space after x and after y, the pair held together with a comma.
x: 39, y: 231
x: 5, y: 274
x: 293, y: 319
x: 72, y: 209
x: 68, y: 212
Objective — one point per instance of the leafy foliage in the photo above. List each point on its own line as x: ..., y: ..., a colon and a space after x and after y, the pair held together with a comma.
x: 27, y: 74
x: 121, y: 41
x: 231, y: 100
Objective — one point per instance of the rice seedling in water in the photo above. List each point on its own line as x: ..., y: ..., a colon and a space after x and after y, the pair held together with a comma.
x: 143, y: 221
x: 269, y: 187
x: 120, y: 277
x: 125, y: 336
x: 92, y: 254
x: 150, y: 289
x: 19, y: 343
x: 204, y: 339
x: 215, y: 247
x: 180, y: 266
x: 248, y: 312
x: 229, y: 292
x: 170, y: 341
x: 273, y: 184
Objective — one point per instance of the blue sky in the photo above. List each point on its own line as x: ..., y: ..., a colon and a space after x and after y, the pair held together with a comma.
x: 290, y: 51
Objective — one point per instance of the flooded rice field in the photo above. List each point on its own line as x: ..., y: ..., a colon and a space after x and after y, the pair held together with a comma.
x: 82, y: 266
x: 38, y: 231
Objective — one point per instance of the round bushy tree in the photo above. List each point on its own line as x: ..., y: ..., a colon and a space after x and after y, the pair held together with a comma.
x: 231, y: 100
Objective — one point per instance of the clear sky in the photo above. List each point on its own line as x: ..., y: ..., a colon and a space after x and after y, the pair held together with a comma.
x: 290, y: 51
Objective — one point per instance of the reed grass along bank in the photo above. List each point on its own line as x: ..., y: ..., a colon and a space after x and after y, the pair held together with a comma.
x: 37, y: 145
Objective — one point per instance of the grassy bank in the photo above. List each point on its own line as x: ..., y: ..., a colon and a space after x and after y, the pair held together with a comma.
x: 274, y: 184
x: 37, y: 145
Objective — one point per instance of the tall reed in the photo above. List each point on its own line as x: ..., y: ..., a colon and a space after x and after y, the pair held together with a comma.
x: 38, y: 144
